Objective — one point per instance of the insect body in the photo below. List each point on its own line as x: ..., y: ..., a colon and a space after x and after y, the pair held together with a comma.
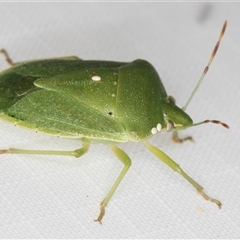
x: 95, y: 101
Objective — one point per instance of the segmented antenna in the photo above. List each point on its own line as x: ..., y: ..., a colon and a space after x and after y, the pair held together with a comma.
x: 211, y: 121
x: 208, y: 65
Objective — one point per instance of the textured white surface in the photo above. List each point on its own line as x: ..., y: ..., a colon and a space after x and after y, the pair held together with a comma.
x: 46, y: 196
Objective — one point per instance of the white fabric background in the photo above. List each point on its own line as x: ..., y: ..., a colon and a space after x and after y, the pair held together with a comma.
x: 59, y: 197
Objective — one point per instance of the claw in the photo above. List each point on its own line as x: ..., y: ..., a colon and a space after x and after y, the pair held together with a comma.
x: 219, y: 204
x: 176, y: 139
x: 4, y: 151
x: 102, y: 212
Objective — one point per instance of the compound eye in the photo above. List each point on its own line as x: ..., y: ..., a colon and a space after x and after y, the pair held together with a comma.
x: 171, y: 100
x: 170, y: 125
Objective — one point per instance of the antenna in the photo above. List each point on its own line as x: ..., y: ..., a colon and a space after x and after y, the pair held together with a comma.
x: 208, y: 65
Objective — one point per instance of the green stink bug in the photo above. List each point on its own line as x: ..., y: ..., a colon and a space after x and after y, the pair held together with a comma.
x: 58, y: 97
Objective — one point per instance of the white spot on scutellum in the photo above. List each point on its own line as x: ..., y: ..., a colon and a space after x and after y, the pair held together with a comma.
x: 157, y: 129
x: 96, y: 78
x: 154, y: 130
x: 113, y: 95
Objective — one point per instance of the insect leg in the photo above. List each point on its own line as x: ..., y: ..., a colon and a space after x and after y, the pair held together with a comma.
x: 127, y: 163
x: 76, y: 153
x: 175, y: 167
x: 8, y: 59
x: 176, y: 138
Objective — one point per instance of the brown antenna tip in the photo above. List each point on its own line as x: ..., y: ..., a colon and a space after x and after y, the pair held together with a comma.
x: 217, y: 122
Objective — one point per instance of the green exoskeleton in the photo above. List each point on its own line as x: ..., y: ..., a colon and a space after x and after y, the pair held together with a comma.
x: 95, y: 102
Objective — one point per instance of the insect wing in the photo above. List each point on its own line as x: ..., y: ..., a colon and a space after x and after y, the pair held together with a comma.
x: 72, y: 103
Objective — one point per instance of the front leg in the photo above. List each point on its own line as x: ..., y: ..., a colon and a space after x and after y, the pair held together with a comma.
x: 8, y: 59
x: 176, y: 138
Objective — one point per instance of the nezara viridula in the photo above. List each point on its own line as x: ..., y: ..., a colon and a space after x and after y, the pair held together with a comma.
x: 95, y: 102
